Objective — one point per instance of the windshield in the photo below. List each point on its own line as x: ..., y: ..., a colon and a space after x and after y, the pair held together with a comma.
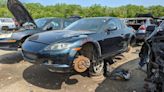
x: 87, y: 24
x: 41, y: 22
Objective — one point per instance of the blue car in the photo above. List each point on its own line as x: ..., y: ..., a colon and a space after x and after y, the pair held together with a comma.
x: 82, y: 46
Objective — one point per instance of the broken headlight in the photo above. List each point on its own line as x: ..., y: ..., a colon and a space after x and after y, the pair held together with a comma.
x: 58, y: 46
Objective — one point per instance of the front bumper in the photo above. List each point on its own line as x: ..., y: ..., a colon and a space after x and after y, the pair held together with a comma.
x: 56, y: 62
x: 8, y: 44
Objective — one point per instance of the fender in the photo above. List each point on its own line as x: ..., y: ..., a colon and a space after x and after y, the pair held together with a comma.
x: 95, y: 43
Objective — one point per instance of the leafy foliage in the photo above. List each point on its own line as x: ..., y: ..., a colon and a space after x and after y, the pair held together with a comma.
x: 64, y: 10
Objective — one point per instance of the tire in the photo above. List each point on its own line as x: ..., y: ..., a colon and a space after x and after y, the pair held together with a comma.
x: 133, y: 41
x: 97, y: 66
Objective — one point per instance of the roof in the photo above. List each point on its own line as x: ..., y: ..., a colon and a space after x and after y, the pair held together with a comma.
x: 100, y: 18
x: 138, y: 18
x: 50, y: 18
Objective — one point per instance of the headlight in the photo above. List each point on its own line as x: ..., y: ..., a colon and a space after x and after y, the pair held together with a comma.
x: 58, y: 46
x: 6, y: 35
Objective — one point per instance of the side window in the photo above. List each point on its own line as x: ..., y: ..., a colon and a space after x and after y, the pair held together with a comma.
x: 56, y: 24
x: 111, y: 23
x: 114, y: 22
x: 119, y: 24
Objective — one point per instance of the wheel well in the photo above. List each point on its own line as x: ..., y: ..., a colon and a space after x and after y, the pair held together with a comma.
x: 22, y: 40
x: 87, y: 47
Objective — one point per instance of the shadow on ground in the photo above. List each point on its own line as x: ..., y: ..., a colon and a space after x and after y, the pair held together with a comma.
x: 135, y: 84
x: 39, y: 76
x: 11, y: 58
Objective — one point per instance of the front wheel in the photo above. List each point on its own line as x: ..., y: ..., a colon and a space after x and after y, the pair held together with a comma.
x: 97, y: 66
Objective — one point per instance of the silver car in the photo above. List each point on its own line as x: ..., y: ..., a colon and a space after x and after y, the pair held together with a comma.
x: 7, y: 23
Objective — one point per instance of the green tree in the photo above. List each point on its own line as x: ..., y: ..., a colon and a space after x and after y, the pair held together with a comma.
x: 64, y: 10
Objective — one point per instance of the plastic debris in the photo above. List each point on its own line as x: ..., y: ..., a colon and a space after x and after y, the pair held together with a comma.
x: 120, y: 74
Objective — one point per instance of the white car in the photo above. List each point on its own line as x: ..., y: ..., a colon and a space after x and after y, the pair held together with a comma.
x: 7, y: 23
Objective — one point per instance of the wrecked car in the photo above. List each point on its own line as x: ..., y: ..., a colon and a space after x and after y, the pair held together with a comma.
x: 153, y: 55
x: 82, y: 46
x: 13, y: 40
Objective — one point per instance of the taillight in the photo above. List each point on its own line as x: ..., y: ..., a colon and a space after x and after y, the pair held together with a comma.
x: 142, y: 27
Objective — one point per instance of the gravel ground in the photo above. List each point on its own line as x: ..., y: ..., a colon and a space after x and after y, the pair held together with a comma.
x: 19, y: 76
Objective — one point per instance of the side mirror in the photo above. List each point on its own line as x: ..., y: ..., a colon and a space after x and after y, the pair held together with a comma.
x: 111, y: 28
x: 49, y: 28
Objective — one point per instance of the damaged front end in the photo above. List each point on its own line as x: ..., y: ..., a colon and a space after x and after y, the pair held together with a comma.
x: 155, y: 65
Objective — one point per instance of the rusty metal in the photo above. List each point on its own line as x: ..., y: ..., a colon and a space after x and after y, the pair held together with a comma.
x: 81, y: 64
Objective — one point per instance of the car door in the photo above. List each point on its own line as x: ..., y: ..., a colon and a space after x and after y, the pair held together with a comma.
x: 111, y: 44
x: 121, y: 36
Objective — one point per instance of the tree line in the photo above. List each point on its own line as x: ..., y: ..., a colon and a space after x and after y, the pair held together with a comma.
x: 64, y: 10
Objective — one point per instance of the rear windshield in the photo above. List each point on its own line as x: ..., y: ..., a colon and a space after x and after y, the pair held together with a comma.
x: 6, y: 20
x: 138, y: 21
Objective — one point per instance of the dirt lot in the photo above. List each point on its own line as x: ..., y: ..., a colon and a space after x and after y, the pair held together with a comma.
x: 19, y: 76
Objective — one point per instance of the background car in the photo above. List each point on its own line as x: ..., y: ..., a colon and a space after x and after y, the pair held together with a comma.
x: 140, y: 24
x: 81, y: 46
x: 7, y: 23
x: 12, y: 40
